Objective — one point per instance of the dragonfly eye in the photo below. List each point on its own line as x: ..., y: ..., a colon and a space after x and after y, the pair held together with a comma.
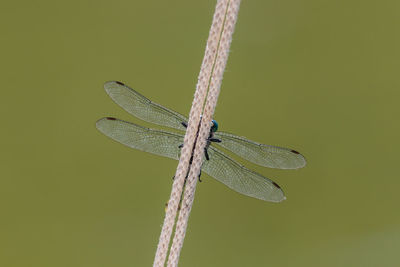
x: 214, y: 126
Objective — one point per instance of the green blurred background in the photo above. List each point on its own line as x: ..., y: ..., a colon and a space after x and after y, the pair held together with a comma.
x: 321, y: 77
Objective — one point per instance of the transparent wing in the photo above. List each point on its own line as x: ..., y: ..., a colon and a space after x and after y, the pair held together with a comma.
x: 264, y: 155
x: 153, y: 141
x: 220, y: 166
x: 143, y: 108
x: 241, y: 179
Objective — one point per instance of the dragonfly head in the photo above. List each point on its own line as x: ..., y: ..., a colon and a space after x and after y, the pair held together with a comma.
x: 214, y: 126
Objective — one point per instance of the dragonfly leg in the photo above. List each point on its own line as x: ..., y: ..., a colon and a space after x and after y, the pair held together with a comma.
x: 180, y: 146
x: 206, y: 153
x: 199, y: 176
x: 184, y: 124
x: 215, y: 140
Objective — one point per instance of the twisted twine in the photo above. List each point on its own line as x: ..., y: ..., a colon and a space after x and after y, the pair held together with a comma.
x: 210, y: 78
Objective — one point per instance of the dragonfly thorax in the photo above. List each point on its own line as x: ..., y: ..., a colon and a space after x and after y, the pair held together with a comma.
x: 214, y: 126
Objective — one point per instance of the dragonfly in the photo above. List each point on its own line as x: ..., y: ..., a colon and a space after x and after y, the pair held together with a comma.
x: 216, y: 163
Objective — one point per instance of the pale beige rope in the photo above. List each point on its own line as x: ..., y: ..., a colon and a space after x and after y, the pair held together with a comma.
x: 190, y: 136
x: 230, y: 17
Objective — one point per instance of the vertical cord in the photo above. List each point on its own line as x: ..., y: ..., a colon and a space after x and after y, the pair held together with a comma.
x: 229, y: 12
x: 191, y: 133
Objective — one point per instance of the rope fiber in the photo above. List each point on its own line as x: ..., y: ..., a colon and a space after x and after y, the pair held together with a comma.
x: 208, y: 85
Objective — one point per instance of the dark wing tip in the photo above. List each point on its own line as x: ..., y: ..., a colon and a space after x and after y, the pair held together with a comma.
x: 101, y: 122
x: 111, y: 83
x: 279, y: 195
x: 276, y: 185
x: 301, y: 159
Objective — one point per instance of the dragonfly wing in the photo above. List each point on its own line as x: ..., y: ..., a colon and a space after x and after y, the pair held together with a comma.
x: 241, y: 179
x: 135, y: 136
x: 264, y: 155
x: 143, y: 108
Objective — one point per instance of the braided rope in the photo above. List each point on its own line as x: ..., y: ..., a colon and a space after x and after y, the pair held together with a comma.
x: 230, y: 18
x: 210, y: 77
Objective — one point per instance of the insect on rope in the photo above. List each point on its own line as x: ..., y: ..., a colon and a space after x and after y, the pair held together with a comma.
x: 197, y: 150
